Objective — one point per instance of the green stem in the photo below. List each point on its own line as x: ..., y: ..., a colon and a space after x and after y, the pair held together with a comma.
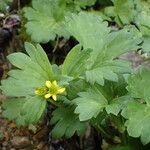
x: 102, y: 131
x: 56, y: 45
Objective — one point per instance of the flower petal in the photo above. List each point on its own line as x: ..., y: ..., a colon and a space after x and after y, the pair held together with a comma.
x: 54, y: 97
x: 48, y: 84
x: 61, y: 90
x: 48, y: 95
x: 55, y: 83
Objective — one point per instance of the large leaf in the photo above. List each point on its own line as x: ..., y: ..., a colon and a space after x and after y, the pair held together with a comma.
x: 88, y: 29
x: 24, y: 111
x: 92, y: 32
x: 74, y: 64
x: 105, y: 65
x: 67, y: 123
x: 32, y: 73
x: 45, y: 20
x: 90, y: 103
x: 138, y: 113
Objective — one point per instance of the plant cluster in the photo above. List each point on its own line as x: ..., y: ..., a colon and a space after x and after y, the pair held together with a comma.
x: 92, y: 87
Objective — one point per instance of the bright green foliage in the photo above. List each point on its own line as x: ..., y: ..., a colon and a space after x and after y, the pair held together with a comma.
x: 125, y: 10
x: 84, y: 3
x: 81, y: 3
x: 74, y: 64
x: 67, y: 123
x: 33, y: 70
x: 12, y: 109
x: 117, y: 105
x: 137, y: 84
x: 75, y: 87
x: 45, y: 20
x: 24, y: 111
x: 143, y: 22
x: 105, y: 65
x: 97, y: 90
x: 33, y: 109
x: 138, y: 124
x: 138, y: 114
x: 106, y: 46
x: 90, y: 103
x: 88, y: 29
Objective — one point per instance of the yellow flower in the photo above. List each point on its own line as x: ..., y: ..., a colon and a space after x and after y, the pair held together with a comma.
x: 51, y: 89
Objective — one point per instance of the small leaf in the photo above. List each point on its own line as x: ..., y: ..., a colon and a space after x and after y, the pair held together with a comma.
x: 137, y: 84
x: 45, y: 20
x: 24, y: 111
x: 117, y: 105
x: 12, y: 110
x: 74, y: 64
x: 67, y: 123
x: 90, y: 103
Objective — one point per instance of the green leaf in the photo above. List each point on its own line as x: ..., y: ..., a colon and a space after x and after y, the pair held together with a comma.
x: 126, y: 10
x: 138, y: 113
x: 45, y: 20
x: 105, y: 64
x: 90, y: 103
x: 146, y: 44
x: 117, y: 105
x: 138, y: 123
x: 75, y: 87
x: 138, y: 84
x: 74, y: 64
x: 12, y: 110
x: 84, y: 3
x: 108, y: 70
x: 143, y: 22
x: 33, y: 109
x: 106, y: 45
x: 88, y: 29
x: 66, y: 123
x: 24, y: 111
x: 32, y: 72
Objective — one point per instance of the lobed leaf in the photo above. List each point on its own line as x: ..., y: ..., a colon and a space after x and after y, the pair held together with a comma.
x: 89, y: 29
x: 32, y: 72
x: 45, y: 20
x: 90, y: 103
x: 24, y: 111
x: 106, y: 45
x: 137, y: 113
x: 66, y: 123
x: 74, y: 64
